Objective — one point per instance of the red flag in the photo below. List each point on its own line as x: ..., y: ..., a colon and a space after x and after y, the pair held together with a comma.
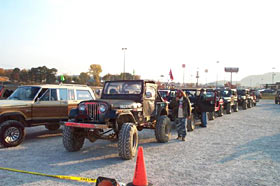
x: 183, y: 65
x: 171, y: 75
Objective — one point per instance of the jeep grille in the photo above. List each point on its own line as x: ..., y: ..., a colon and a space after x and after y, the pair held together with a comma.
x: 93, y: 111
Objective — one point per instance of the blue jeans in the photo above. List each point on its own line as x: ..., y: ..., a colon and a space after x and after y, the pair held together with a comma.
x: 181, y: 127
x: 203, y: 119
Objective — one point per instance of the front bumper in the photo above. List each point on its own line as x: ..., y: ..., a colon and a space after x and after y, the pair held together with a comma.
x: 86, y: 125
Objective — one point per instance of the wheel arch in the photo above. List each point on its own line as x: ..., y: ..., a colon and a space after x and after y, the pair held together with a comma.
x: 13, y: 116
x: 124, y: 118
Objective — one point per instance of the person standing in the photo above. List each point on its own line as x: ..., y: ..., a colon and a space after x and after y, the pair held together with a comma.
x: 181, y: 111
x: 201, y: 100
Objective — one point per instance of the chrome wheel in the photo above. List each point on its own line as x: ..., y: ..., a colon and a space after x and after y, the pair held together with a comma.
x: 11, y: 135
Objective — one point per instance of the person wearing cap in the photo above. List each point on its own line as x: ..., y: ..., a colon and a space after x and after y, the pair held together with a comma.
x: 201, y: 99
x: 181, y: 111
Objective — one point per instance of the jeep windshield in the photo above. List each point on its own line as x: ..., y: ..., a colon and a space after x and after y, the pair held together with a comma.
x: 25, y: 93
x: 241, y: 92
x: 122, y: 87
x: 226, y: 93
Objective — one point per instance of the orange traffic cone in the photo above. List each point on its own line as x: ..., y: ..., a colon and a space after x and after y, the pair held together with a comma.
x: 140, y: 175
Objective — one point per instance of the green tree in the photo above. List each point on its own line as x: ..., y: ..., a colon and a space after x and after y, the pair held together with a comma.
x: 95, y: 71
x: 23, y: 76
x: 15, y: 75
x: 51, y: 75
x: 84, y: 77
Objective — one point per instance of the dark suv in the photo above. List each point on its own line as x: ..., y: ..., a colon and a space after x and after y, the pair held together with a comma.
x: 277, y: 97
x: 230, y: 100
x: 124, y: 108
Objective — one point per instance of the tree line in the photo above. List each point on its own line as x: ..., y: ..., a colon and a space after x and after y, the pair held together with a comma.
x: 43, y: 74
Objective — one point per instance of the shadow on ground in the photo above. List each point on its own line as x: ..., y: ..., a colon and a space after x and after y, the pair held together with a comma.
x: 254, y: 150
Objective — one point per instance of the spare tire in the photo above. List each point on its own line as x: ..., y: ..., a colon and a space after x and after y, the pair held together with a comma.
x: 163, y: 129
x: 128, y: 141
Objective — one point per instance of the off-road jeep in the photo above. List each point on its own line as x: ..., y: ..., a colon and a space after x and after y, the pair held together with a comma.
x: 230, y: 100
x: 253, y: 97
x: 277, y: 97
x: 244, y: 98
x: 124, y: 108
x: 38, y: 105
x: 214, y: 97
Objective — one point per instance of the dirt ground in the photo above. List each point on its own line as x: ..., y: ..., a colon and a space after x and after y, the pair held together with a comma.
x: 242, y: 148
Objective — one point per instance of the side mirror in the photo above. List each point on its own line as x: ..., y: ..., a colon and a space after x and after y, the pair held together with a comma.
x: 37, y: 99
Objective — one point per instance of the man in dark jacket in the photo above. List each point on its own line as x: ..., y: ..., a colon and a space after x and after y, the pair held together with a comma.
x: 201, y: 101
x: 181, y: 111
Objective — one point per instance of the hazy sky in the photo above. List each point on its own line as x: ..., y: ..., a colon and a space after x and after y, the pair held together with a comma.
x: 158, y: 34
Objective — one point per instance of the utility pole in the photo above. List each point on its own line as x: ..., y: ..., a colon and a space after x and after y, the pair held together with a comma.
x: 217, y: 74
x: 183, y: 66
x: 124, y: 49
x: 273, y: 74
x: 197, y: 77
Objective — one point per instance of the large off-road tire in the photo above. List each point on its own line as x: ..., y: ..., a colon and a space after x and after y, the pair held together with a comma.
x: 228, y: 108
x: 128, y: 141
x: 244, y: 105
x: 235, y: 108
x: 73, y: 138
x: 211, y: 115
x: 11, y: 133
x: 221, y: 112
x: 163, y: 129
x: 52, y: 127
x: 250, y: 104
x: 191, y: 124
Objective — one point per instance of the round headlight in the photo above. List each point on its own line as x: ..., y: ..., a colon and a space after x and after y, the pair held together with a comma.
x: 102, y: 108
x: 82, y: 107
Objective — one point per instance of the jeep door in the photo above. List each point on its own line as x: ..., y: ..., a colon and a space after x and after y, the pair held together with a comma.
x: 149, y: 99
x: 48, y: 107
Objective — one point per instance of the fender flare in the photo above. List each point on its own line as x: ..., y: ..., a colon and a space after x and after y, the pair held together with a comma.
x: 15, y: 116
x: 123, y: 114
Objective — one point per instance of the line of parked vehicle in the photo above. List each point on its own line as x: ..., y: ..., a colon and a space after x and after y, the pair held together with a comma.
x: 218, y: 102
x: 124, y: 108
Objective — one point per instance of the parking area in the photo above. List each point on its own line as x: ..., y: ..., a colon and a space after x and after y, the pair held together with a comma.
x: 242, y: 148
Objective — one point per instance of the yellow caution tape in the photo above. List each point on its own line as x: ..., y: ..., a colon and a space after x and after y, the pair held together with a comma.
x: 91, y: 180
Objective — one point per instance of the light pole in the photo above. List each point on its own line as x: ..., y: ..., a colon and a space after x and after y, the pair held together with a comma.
x: 124, y: 49
x: 217, y: 74
x: 206, y: 71
x: 197, y: 77
x: 183, y: 66
x: 273, y: 74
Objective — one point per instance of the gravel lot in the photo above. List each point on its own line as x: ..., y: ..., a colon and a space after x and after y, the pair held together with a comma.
x: 238, y: 149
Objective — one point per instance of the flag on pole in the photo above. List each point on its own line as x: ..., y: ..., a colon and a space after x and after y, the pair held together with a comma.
x: 171, y: 75
x: 62, y: 78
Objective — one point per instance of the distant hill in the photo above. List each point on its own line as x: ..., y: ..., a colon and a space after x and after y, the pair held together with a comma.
x: 252, y: 80
x: 257, y: 80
